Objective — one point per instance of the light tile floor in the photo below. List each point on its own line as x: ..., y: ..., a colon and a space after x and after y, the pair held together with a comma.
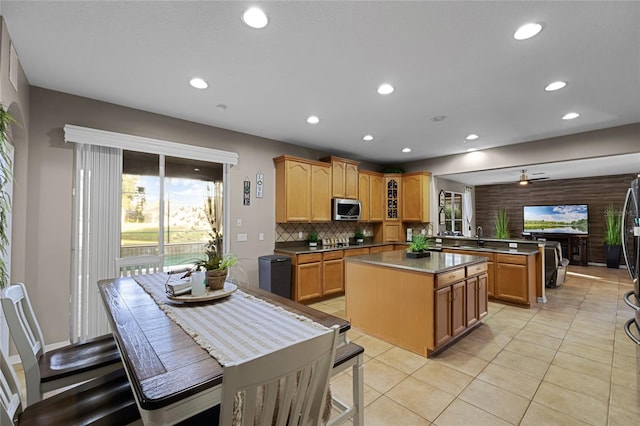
x: 566, y: 362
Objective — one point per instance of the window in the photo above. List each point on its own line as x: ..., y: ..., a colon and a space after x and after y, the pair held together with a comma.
x: 453, y: 212
x: 179, y: 226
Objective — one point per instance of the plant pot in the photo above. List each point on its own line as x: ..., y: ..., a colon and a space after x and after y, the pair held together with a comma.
x: 216, y: 278
x: 359, y: 240
x: 313, y: 244
x: 612, y: 255
x: 418, y: 254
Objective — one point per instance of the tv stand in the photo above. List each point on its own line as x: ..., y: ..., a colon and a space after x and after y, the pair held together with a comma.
x: 574, y: 247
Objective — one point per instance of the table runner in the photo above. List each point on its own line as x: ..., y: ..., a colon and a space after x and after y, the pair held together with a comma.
x: 234, y: 329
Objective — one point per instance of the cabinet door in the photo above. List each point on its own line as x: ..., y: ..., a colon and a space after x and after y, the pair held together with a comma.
x: 338, y: 171
x: 392, y: 196
x: 365, y: 200
x: 472, y: 301
x: 376, y: 198
x: 511, y: 282
x: 412, y: 198
x: 391, y: 232
x: 320, y: 193
x: 308, y: 281
x: 351, y: 181
x: 442, y: 316
x: 481, y: 287
x: 458, y: 308
x: 332, y: 276
x: 491, y: 279
x: 298, y: 191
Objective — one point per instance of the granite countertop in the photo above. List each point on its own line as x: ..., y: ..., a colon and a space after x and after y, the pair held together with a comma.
x: 434, y: 264
x: 304, y: 248
x: 522, y: 251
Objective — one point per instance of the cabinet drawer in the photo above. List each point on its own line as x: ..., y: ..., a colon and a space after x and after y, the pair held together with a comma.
x: 512, y: 258
x: 450, y: 277
x: 331, y: 255
x: 356, y: 252
x: 380, y: 249
x: 309, y: 258
x: 476, y: 269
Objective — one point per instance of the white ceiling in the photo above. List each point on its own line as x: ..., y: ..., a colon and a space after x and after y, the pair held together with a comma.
x: 455, y: 58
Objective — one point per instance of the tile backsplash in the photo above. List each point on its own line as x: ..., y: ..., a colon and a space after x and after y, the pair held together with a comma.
x: 289, y: 232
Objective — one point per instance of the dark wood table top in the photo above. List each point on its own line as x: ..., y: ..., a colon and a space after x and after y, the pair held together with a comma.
x: 164, y: 363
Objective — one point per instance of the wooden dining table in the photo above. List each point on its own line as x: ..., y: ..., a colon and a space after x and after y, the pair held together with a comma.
x: 172, y: 376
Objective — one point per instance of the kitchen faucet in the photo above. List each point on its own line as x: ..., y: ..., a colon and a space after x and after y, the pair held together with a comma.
x: 479, y: 232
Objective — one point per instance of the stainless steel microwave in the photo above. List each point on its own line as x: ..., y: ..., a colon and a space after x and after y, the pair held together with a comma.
x: 344, y: 209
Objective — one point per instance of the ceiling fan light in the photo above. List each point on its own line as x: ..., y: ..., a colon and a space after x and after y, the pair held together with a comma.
x: 524, y: 180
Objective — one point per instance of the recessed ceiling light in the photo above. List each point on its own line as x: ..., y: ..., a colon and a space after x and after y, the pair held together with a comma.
x: 385, y: 89
x: 406, y: 149
x: 312, y: 119
x: 439, y: 118
x: 527, y: 31
x: 255, y: 18
x: 195, y: 169
x: 471, y: 149
x: 367, y: 138
x: 556, y: 85
x: 198, y: 83
x: 472, y: 137
x: 571, y: 116
x: 221, y: 107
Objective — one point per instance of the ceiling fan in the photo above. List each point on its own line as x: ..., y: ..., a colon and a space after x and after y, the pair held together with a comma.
x: 524, y: 179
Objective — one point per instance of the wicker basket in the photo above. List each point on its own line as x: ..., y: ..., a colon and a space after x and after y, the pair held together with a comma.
x: 215, y: 279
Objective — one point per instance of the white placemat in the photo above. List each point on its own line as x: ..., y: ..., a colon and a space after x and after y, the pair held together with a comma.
x: 236, y: 328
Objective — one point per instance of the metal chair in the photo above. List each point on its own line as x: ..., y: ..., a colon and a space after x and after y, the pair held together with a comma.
x: 58, y: 368
x: 288, y: 386
x: 138, y: 265
x: 105, y: 400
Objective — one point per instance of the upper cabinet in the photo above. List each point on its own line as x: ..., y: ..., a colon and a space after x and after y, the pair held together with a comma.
x: 371, y: 193
x: 344, y: 177
x: 303, y: 190
x: 415, y: 196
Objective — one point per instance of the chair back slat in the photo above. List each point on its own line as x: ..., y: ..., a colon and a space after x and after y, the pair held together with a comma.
x: 289, y: 385
x: 9, y: 393
x: 138, y: 265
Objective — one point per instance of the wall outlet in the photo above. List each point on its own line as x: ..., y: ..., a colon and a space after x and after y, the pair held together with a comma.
x: 261, y: 236
x: 242, y: 237
x: 300, y: 235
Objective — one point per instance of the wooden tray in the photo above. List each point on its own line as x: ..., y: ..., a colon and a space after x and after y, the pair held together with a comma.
x: 208, y: 295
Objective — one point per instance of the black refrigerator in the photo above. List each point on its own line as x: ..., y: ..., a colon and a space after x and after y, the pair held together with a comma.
x: 631, y: 251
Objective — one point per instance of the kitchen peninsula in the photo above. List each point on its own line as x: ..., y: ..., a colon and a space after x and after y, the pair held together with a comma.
x: 418, y: 304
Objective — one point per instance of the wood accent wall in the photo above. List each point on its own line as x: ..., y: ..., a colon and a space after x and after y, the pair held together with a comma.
x: 597, y: 192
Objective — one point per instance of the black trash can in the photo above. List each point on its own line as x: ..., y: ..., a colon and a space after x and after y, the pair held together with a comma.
x: 274, y: 274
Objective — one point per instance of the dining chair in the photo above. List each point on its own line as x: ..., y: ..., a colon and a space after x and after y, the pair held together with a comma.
x: 106, y: 400
x: 285, y: 387
x: 48, y: 370
x: 138, y: 265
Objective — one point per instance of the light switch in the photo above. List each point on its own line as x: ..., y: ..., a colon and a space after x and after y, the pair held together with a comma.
x: 261, y: 236
x: 242, y: 237
x: 238, y: 222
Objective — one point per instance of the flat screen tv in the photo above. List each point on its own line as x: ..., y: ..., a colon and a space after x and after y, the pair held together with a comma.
x: 557, y: 219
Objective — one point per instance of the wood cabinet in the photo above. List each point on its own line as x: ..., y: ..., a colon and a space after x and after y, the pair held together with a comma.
x: 344, y: 177
x: 380, y: 249
x: 315, y: 275
x: 307, y: 277
x: 450, y: 306
x: 332, y: 273
x: 303, y: 190
x: 370, y: 194
x: 476, y: 294
x: 514, y: 273
x: 391, y: 229
x: 415, y: 197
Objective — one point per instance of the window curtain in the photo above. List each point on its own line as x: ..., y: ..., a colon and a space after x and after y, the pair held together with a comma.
x: 97, y: 192
x: 467, y: 212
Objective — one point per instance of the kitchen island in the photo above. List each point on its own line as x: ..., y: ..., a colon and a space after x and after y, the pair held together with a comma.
x: 421, y: 305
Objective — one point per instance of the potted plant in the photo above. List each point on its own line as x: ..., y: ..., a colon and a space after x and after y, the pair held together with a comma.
x: 359, y: 236
x: 217, y: 266
x: 419, y: 246
x: 313, y: 238
x: 612, y: 236
x: 501, y: 220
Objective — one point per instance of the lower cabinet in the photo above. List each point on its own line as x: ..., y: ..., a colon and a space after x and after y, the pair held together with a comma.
x: 308, y: 277
x: 380, y: 249
x: 515, y: 278
x: 460, y: 301
x: 332, y: 273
